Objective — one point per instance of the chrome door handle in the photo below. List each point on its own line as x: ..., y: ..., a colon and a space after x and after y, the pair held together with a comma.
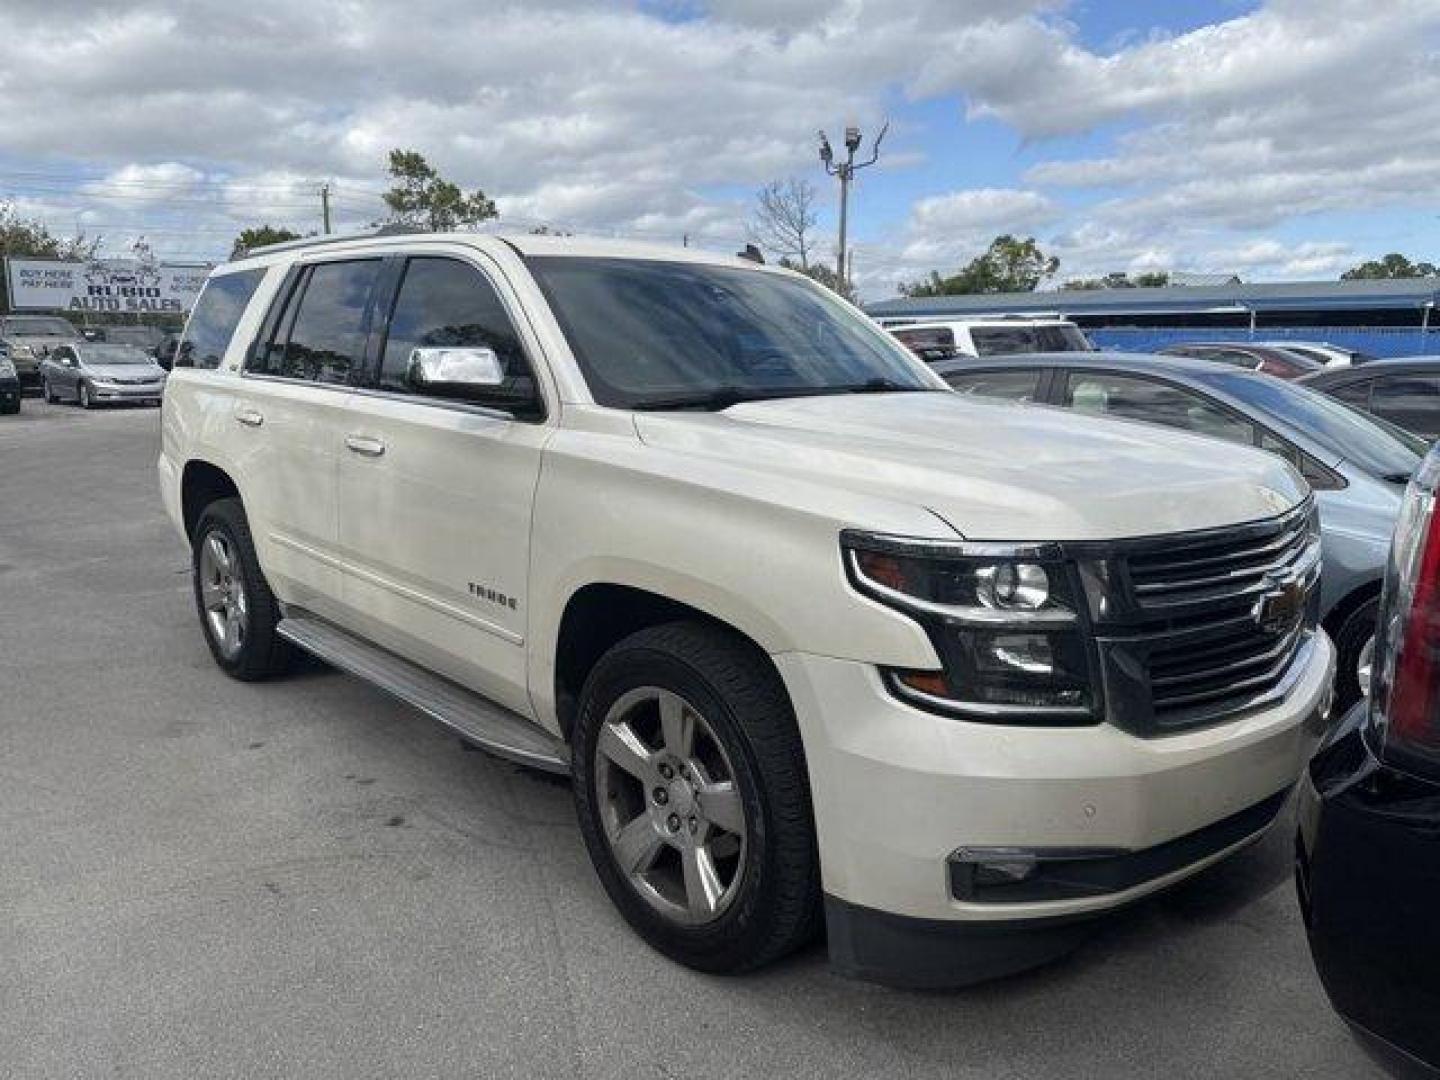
x: 249, y: 417
x: 365, y: 444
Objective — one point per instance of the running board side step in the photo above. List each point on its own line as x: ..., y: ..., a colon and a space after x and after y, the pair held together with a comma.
x: 472, y: 717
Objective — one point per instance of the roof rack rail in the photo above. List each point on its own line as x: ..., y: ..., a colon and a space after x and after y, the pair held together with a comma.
x: 391, y: 229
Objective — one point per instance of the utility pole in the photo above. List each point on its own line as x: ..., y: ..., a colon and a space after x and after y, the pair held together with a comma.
x: 845, y: 170
x: 325, y: 206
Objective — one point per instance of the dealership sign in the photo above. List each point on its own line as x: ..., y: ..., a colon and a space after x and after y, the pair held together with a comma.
x: 139, y: 286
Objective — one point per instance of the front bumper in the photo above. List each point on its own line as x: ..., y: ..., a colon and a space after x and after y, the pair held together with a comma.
x: 897, y: 791
x: 149, y: 392
x: 1367, y: 874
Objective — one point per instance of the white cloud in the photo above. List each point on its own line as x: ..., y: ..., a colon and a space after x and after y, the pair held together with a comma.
x: 605, y: 117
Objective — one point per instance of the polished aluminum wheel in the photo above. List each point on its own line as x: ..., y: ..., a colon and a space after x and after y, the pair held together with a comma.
x: 1364, y: 665
x: 222, y: 594
x: 669, y: 805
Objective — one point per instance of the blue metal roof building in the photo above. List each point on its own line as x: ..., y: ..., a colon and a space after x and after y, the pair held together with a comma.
x: 1394, y: 317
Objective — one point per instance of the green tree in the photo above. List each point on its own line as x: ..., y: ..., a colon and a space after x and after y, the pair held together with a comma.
x: 28, y: 238
x: 259, y: 236
x: 423, y: 199
x: 1008, y: 265
x: 1152, y: 279
x: 824, y: 274
x: 1393, y: 265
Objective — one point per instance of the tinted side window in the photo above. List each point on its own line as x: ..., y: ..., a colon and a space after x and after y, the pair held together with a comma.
x: 1001, y: 341
x: 938, y: 337
x: 1154, y: 402
x: 213, y: 320
x: 445, y: 302
x: 1355, y: 393
x: 1411, y: 401
x: 1011, y: 385
x: 327, y: 336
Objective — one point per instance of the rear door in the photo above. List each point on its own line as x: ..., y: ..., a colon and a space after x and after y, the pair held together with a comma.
x: 289, y: 415
x: 436, y: 488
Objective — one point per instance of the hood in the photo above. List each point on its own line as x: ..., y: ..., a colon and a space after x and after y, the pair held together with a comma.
x: 994, y: 470
x: 125, y: 371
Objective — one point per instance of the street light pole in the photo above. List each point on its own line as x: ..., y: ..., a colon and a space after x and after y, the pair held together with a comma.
x: 845, y: 170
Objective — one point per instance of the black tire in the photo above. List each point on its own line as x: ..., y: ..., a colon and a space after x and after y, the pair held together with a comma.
x: 10, y: 408
x: 776, y: 907
x: 83, y: 397
x: 263, y: 653
x: 1355, y: 631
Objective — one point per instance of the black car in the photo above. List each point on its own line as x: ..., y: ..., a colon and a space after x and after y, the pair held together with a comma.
x: 1405, y: 392
x: 1368, y: 847
x: 1271, y: 359
x: 9, y: 385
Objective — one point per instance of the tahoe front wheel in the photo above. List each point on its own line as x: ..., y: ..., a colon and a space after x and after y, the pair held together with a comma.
x: 690, y: 784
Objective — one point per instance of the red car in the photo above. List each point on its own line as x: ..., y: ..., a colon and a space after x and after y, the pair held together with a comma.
x: 1267, y: 358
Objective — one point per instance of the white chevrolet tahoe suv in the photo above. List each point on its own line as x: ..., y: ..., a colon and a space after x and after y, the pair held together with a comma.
x: 819, y: 642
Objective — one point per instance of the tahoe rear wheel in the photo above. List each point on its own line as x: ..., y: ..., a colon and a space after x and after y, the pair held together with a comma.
x: 238, y: 613
x: 690, y: 784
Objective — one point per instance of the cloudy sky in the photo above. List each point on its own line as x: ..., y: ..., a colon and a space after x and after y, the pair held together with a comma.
x: 1276, y: 139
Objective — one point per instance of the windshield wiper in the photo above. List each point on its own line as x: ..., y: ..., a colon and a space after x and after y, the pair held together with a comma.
x: 881, y: 386
x: 722, y: 397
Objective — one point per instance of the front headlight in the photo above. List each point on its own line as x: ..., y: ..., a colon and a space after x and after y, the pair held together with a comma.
x: 22, y: 352
x: 7, y: 368
x: 1006, y: 621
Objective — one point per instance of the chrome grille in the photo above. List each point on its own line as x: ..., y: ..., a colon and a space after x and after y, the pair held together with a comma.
x: 1218, y: 569
x: 1217, y: 620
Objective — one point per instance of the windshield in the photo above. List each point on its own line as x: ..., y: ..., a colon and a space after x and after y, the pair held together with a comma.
x: 1004, y: 340
x: 1346, y: 433
x: 655, y: 334
x: 113, y: 354
x: 39, y: 328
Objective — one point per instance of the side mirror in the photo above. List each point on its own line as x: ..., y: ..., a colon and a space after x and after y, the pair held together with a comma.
x: 454, y: 371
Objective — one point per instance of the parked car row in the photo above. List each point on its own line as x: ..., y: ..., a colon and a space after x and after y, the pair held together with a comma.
x: 26, y: 341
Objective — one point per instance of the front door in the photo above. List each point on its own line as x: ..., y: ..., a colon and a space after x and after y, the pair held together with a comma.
x: 436, y: 486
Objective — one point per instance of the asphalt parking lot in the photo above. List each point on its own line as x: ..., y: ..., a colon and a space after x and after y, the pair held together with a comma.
x: 304, y: 878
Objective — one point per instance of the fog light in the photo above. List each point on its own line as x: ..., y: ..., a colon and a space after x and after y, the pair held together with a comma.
x: 1030, y: 653
x: 975, y: 869
x: 1013, y: 586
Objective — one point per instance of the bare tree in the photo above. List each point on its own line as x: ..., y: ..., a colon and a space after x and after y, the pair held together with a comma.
x: 784, y: 219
